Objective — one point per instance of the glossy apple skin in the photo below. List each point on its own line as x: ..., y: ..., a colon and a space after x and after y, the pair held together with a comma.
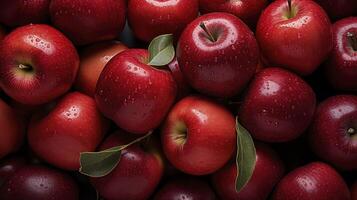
x: 86, y: 22
x: 278, y: 106
x: 209, y: 136
x: 339, y: 9
x: 247, y: 11
x: 183, y: 88
x: 261, y: 183
x: 316, y: 180
x: 40, y: 183
x: 329, y: 137
x: 300, y: 43
x: 151, y: 18
x: 12, y: 128
x: 134, y: 95
x: 73, y: 126
x: 220, y: 68
x: 93, y: 59
x: 185, y: 188
x: 23, y: 12
x: 341, y: 67
x: 9, y: 166
x: 51, y: 55
x: 137, y: 174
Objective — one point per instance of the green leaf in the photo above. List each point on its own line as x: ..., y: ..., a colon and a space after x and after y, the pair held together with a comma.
x: 161, y: 50
x: 246, y: 156
x: 98, y: 164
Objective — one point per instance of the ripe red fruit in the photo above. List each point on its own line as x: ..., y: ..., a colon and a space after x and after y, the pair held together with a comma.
x: 298, y: 39
x: 183, y: 88
x: 198, y: 136
x: 278, y: 106
x: 38, y: 64
x: 73, y: 126
x: 339, y: 9
x: 9, y: 166
x: 135, y: 95
x: 341, y: 66
x: 218, y: 54
x: 316, y: 181
x: 149, y: 19
x: 333, y: 134
x: 86, y: 22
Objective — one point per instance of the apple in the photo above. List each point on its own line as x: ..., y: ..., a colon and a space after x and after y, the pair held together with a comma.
x: 247, y: 11
x: 38, y: 64
x: 9, y: 166
x: 296, y: 37
x: 86, y: 22
x: 12, y: 128
x: 40, y: 183
x: 135, y: 95
x: 316, y: 181
x: 138, y: 172
x: 218, y: 54
x: 269, y: 169
x: 183, y: 88
x: 333, y: 134
x: 185, y: 188
x: 23, y: 12
x: 149, y: 19
x: 198, y: 136
x: 93, y: 59
x: 341, y: 66
x: 339, y: 9
x: 278, y: 106
x: 73, y: 126
x: 354, y: 191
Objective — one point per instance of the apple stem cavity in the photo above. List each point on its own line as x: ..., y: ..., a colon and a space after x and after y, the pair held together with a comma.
x: 26, y: 68
x: 351, y: 131
x: 210, y: 36
x: 352, y: 38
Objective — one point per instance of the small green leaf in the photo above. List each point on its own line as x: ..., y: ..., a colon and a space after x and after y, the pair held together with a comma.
x: 161, y: 50
x: 246, y: 156
x: 98, y: 164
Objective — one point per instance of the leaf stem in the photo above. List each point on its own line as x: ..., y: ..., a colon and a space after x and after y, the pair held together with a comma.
x: 210, y: 36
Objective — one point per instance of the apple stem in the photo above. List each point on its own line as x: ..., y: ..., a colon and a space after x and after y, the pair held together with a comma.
x: 290, y: 10
x: 353, y: 40
x: 351, y: 131
x: 210, y: 36
x: 23, y: 67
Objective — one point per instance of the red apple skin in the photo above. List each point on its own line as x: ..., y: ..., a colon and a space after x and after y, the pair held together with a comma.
x: 198, y: 136
x: 316, y: 181
x: 354, y: 191
x: 9, y: 166
x: 12, y: 128
x: 278, y: 106
x: 247, y: 11
x: 40, y: 183
x: 133, y: 94
x: 300, y: 43
x: 53, y: 60
x: 261, y: 183
x: 93, y: 59
x: 137, y: 174
x: 339, y: 9
x: 221, y: 68
x: 183, y: 88
x: 86, y: 22
x: 185, y: 188
x: 341, y: 68
x: 23, y: 12
x: 329, y: 136
x: 74, y: 124
x: 151, y: 18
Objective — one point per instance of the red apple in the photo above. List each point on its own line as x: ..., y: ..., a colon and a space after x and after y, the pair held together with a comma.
x: 218, y: 54
x: 354, y: 191
x: 269, y: 169
x: 23, y: 12
x: 135, y: 95
x: 339, y: 9
x: 278, y: 106
x: 198, y: 136
x: 38, y: 64
x: 138, y: 172
x: 9, y: 166
x: 151, y: 18
x: 40, y: 183
x: 247, y: 11
x: 86, y: 22
x: 333, y: 134
x: 93, y: 59
x: 183, y: 88
x: 73, y: 126
x: 298, y: 38
x: 341, y: 66
x: 185, y: 188
x: 12, y: 128
x: 316, y: 181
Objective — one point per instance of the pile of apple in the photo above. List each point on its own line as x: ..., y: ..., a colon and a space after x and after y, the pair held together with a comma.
x: 178, y: 99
